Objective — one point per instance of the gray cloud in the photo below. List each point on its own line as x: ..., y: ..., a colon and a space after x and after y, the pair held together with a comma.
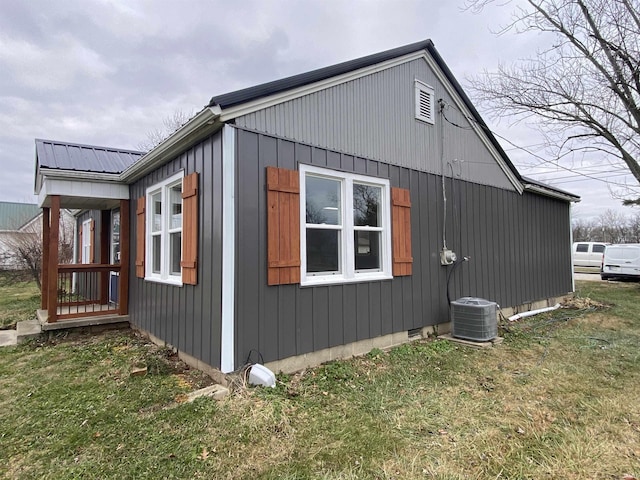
x: 106, y: 73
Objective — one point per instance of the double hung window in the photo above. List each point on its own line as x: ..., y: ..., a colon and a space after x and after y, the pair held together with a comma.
x: 345, y: 227
x: 164, y: 231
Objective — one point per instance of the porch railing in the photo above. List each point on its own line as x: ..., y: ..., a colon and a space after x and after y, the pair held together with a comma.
x: 85, y: 290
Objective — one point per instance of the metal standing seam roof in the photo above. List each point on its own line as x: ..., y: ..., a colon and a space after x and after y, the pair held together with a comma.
x: 84, y: 158
x: 14, y: 215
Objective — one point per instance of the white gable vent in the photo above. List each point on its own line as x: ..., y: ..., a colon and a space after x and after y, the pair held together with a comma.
x: 424, y: 102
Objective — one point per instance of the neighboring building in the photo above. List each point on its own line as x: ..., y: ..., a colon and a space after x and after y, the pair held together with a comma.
x: 13, y: 217
x: 313, y: 217
x: 21, y: 226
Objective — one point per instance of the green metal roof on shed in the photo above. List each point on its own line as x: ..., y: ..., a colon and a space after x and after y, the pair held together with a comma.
x: 14, y: 215
x: 85, y: 158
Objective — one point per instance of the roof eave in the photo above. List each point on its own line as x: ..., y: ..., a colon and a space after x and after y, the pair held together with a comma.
x: 202, y: 124
x: 550, y: 192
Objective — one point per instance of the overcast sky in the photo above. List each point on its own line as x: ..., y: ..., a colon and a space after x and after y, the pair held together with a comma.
x: 107, y: 72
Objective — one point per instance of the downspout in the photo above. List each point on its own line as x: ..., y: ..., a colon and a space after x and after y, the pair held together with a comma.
x: 573, y: 273
x: 531, y: 313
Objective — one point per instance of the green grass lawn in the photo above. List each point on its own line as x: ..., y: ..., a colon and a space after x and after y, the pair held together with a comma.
x: 558, y: 399
x: 19, y: 300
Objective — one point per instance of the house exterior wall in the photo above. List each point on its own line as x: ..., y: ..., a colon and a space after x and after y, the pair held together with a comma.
x: 187, y: 317
x: 373, y: 117
x: 519, y: 247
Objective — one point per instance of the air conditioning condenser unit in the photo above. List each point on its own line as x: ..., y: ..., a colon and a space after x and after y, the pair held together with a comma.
x: 474, y: 319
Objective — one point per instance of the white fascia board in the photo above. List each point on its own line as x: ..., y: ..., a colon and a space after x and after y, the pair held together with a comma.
x: 203, y: 123
x: 476, y: 128
x: 54, y: 173
x: 265, y: 102
x: 84, y: 189
x: 550, y: 193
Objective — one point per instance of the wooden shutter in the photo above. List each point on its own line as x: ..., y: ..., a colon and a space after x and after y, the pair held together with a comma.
x: 283, y: 226
x: 140, y: 236
x: 189, y: 261
x: 401, y: 231
x: 92, y: 243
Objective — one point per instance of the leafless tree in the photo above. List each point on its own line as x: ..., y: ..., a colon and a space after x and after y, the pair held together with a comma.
x: 584, y: 91
x: 25, y: 248
x: 169, y: 125
x: 583, y: 231
x: 614, y: 226
x: 633, y: 229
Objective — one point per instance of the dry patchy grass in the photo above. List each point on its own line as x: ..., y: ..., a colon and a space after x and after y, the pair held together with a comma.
x: 558, y: 399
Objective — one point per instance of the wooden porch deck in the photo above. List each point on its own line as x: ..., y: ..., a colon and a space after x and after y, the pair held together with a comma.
x: 108, y: 318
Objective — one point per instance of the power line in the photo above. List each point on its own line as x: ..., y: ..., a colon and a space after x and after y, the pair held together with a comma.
x: 544, y: 160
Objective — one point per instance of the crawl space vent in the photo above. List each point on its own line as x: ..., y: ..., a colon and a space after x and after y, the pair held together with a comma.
x: 474, y: 319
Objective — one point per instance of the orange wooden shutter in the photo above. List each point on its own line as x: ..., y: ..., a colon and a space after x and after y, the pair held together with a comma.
x: 283, y: 226
x: 401, y: 231
x: 92, y: 238
x: 140, y: 236
x: 189, y: 261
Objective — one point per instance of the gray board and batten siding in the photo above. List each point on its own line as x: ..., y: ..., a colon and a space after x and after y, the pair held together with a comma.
x: 188, y: 317
x: 373, y: 117
x: 512, y: 240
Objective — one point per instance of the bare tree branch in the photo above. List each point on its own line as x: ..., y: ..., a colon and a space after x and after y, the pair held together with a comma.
x: 169, y: 125
x: 584, y: 91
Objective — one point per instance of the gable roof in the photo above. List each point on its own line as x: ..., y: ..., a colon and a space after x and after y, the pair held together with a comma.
x: 131, y: 165
x: 257, y: 92
x: 14, y: 215
x: 270, y: 88
x: 85, y: 158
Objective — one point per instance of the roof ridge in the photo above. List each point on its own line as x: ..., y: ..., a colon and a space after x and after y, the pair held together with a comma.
x: 93, y: 147
x: 301, y: 79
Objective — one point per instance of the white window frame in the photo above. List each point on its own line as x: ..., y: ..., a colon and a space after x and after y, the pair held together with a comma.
x: 86, y: 242
x: 420, y: 88
x: 348, y: 274
x: 163, y: 188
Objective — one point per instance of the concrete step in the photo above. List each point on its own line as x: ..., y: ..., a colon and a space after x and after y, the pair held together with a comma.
x: 8, y: 338
x: 28, y: 329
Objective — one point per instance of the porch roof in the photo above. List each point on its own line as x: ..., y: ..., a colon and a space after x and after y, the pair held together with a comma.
x: 84, y: 176
x: 83, y: 158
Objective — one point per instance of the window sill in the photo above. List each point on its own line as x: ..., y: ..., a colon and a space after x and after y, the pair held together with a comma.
x: 165, y: 281
x: 339, y: 280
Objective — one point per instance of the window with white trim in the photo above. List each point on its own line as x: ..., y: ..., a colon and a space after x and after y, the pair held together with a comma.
x: 424, y: 98
x: 164, y: 231
x: 345, y: 227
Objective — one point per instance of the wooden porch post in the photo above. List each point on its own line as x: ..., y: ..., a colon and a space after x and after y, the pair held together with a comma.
x: 44, y: 267
x: 52, y: 284
x: 105, y: 222
x: 123, y: 293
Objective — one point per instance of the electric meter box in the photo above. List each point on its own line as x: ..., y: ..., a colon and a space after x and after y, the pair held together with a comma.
x: 474, y: 319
